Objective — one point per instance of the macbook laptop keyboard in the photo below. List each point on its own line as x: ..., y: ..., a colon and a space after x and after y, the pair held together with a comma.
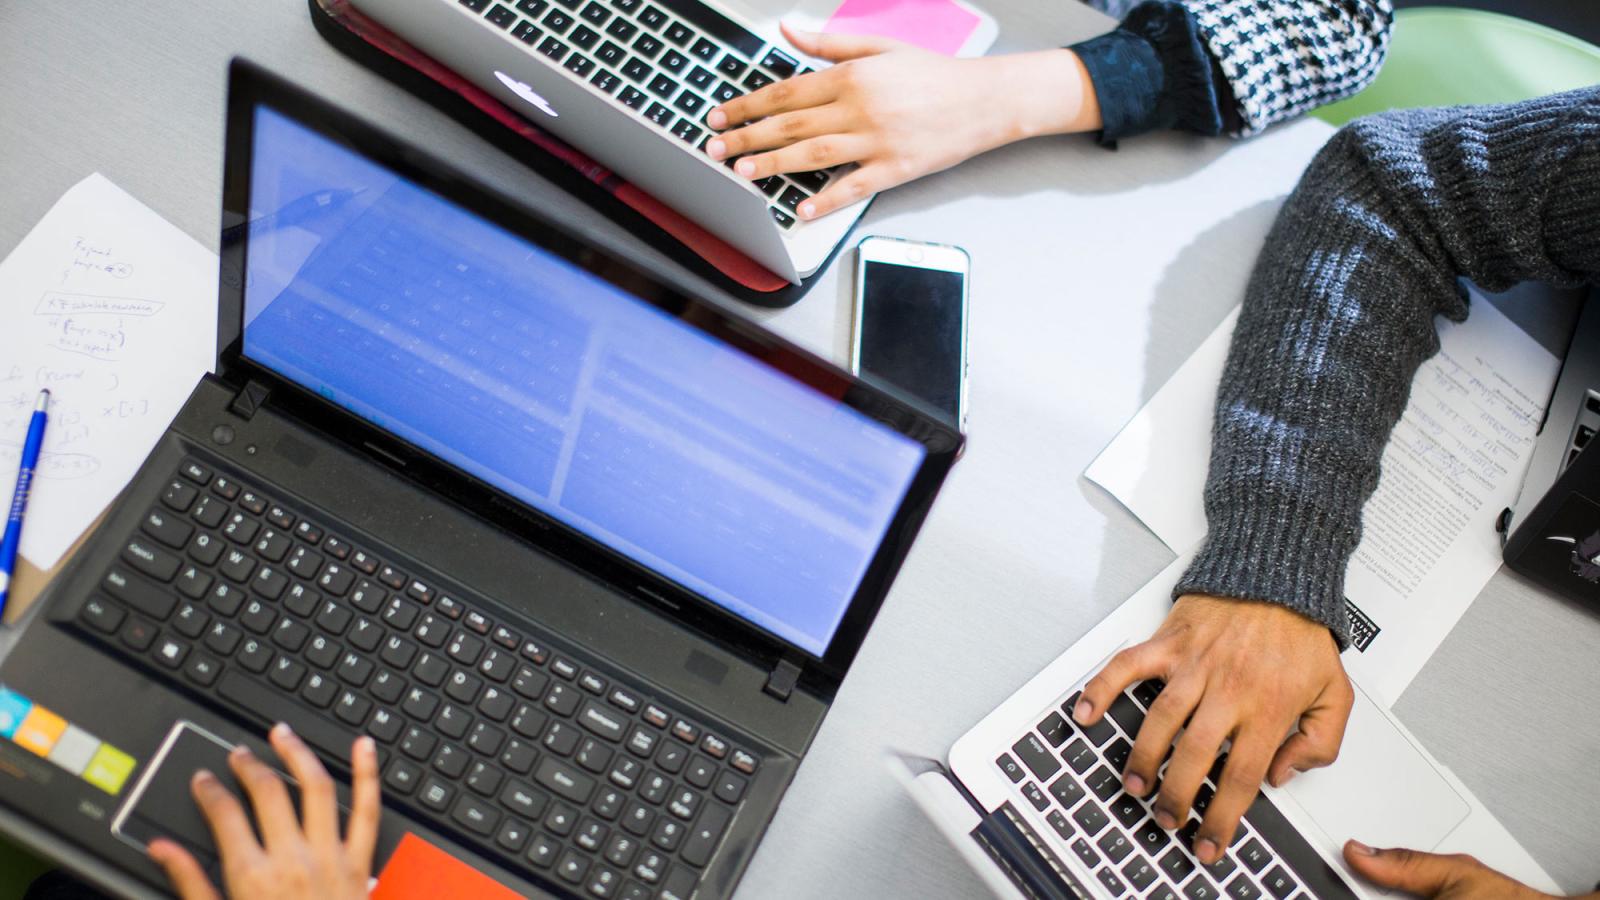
x: 1070, y: 774
x: 547, y: 762
x: 669, y: 62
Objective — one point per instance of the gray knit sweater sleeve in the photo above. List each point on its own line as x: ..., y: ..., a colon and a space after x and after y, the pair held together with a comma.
x: 1339, y: 314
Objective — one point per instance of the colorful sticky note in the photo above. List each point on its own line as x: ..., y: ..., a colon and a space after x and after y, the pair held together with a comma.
x: 13, y: 709
x: 417, y: 870
x: 74, y: 750
x: 108, y: 769
x: 937, y: 25
x: 39, y: 731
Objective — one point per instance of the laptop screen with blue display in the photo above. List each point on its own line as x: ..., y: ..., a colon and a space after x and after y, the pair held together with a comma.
x: 563, y: 391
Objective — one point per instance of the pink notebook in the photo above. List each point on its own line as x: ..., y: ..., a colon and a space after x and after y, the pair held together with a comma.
x: 938, y: 25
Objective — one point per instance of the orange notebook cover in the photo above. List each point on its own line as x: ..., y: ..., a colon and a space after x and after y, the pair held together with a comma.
x: 417, y: 870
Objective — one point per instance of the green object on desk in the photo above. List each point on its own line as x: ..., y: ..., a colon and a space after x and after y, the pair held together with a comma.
x: 18, y: 869
x: 1439, y: 56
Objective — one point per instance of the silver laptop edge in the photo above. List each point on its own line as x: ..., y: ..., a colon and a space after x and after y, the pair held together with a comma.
x: 953, y: 815
x: 677, y: 173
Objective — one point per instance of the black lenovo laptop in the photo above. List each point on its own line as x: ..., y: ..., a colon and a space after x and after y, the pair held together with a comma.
x: 588, y: 556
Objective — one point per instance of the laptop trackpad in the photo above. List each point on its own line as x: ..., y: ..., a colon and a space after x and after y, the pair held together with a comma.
x: 163, y: 805
x: 1381, y: 791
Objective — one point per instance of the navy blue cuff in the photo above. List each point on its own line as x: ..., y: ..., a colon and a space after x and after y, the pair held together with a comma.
x: 1153, y: 72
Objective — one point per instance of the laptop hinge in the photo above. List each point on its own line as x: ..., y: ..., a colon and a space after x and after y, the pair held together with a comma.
x: 249, y: 399
x: 781, y: 682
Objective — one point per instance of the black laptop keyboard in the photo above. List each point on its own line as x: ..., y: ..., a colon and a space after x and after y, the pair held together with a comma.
x: 670, y: 66
x: 546, y: 764
x: 1071, y: 775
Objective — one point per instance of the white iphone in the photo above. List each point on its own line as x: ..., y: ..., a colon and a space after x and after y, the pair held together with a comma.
x: 911, y: 321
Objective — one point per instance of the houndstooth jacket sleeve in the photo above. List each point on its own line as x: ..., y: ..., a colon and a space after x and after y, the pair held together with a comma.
x: 1282, y: 58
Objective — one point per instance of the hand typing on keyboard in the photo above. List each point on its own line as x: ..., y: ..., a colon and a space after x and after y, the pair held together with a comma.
x: 900, y: 111
x: 296, y: 859
x: 1235, y: 670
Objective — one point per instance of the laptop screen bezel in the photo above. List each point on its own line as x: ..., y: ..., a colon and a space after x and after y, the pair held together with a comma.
x: 251, y: 86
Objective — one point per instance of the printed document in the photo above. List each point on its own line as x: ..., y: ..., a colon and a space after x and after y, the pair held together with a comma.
x: 1428, y: 546
x: 114, y: 310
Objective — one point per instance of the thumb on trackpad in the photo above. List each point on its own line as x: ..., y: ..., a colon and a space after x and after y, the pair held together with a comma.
x: 1382, y: 789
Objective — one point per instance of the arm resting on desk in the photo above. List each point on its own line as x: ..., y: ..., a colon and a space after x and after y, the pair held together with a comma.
x: 1339, y: 314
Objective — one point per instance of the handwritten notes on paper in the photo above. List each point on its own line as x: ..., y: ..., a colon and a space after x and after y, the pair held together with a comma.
x: 114, y: 310
x: 1428, y: 545
x: 1456, y: 447
x: 1455, y: 460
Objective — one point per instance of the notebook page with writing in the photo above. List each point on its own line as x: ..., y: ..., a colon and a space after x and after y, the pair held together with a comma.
x: 113, y: 309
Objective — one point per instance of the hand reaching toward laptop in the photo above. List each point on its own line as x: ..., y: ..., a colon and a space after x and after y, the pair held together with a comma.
x: 899, y: 111
x: 1257, y: 674
x: 296, y: 858
x: 1457, y: 877
x: 1252, y: 673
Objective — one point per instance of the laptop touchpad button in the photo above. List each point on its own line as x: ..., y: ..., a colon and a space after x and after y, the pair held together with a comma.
x: 1381, y: 791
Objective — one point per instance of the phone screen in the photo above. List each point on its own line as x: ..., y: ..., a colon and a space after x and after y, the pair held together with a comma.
x: 911, y: 332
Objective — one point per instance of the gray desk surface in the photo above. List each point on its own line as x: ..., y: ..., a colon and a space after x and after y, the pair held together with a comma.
x: 1095, y: 275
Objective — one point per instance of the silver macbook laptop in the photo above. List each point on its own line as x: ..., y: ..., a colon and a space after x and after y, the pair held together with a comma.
x: 1034, y: 802
x: 630, y: 82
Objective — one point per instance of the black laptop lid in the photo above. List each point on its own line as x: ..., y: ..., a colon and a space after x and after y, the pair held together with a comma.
x: 683, y: 454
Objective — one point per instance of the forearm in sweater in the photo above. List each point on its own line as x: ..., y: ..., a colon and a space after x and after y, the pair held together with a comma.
x: 1339, y: 314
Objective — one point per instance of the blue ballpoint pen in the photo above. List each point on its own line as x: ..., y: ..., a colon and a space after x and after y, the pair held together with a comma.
x: 19, y: 499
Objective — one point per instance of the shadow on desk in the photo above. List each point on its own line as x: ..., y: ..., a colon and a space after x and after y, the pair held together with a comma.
x: 1199, y: 287
x: 1075, y: 165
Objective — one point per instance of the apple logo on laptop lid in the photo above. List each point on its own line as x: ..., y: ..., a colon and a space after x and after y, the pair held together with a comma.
x: 526, y: 93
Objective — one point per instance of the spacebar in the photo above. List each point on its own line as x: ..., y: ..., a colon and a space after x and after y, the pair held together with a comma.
x: 267, y: 704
